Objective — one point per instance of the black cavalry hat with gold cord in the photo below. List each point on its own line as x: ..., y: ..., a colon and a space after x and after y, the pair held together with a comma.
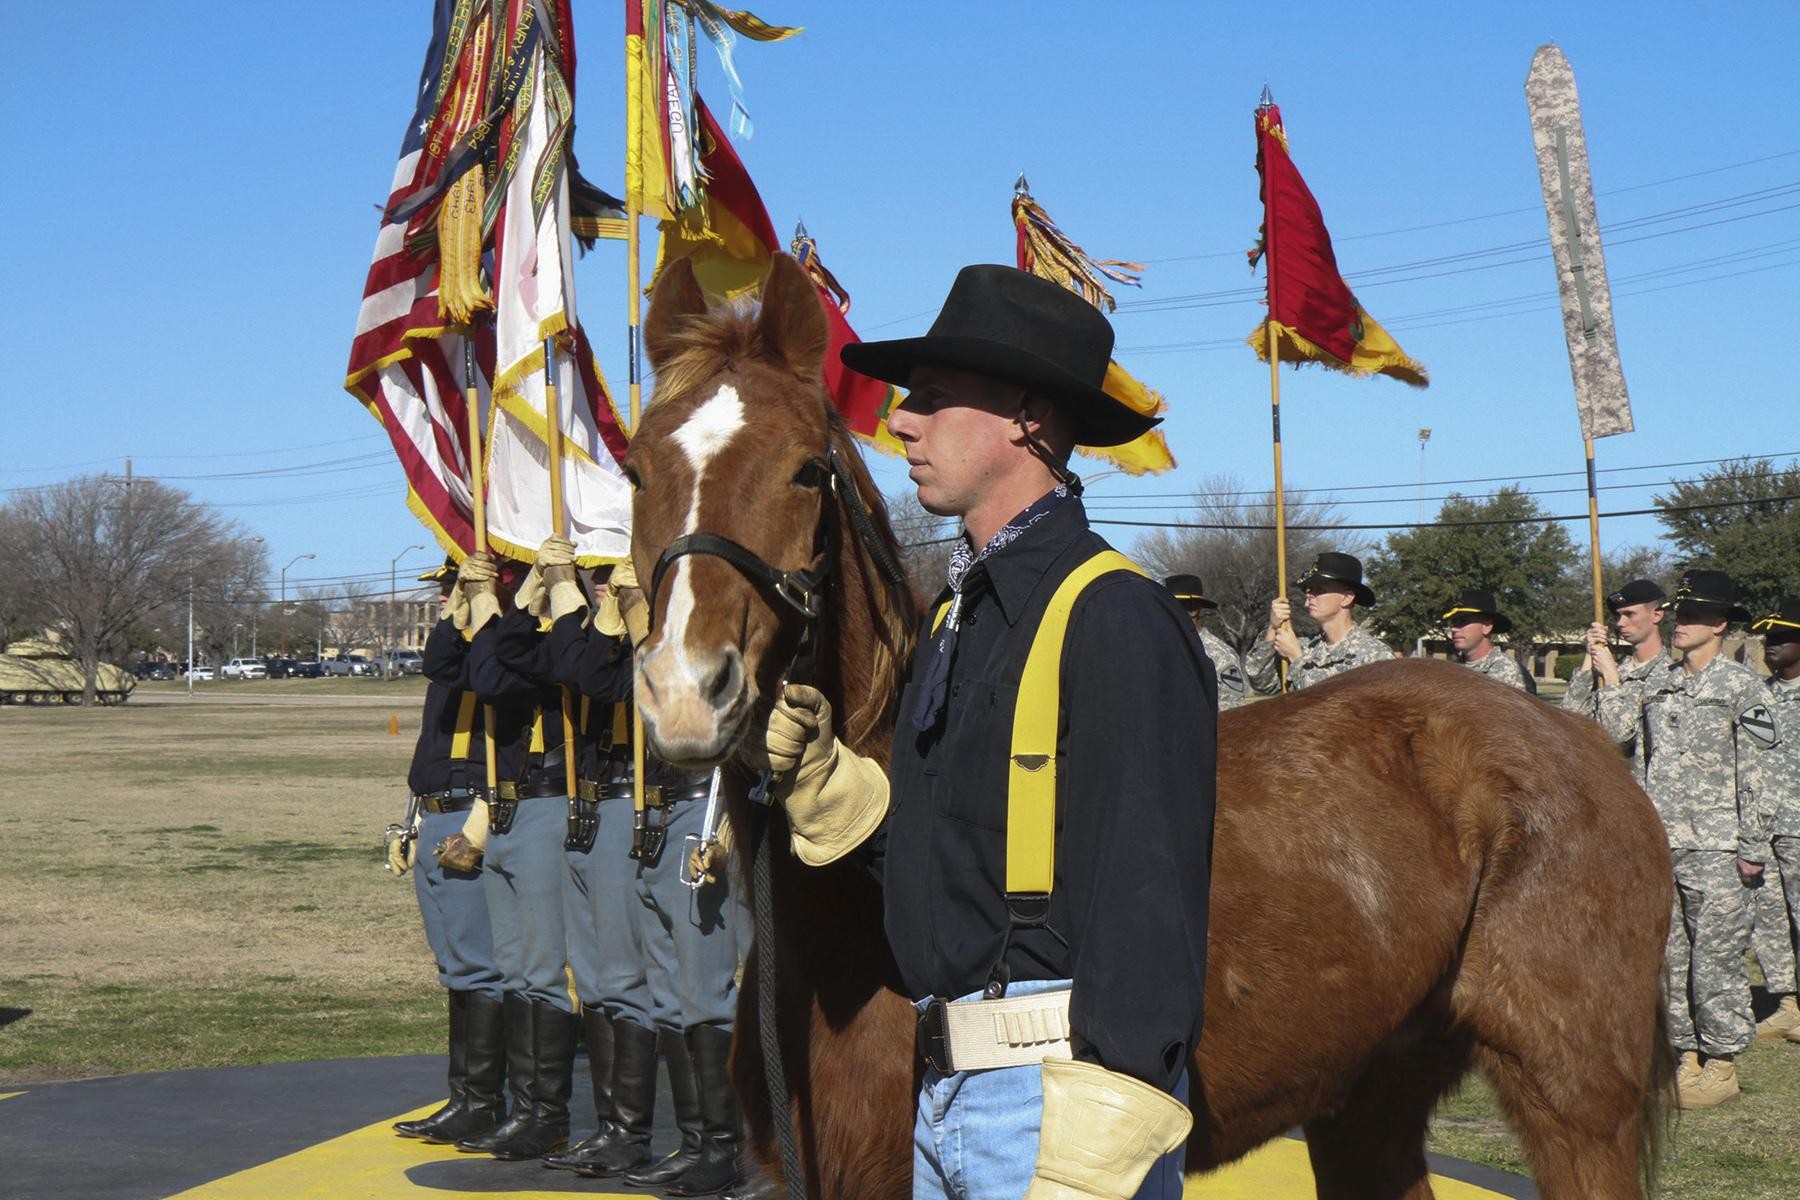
x: 1713, y: 593
x: 1339, y: 568
x: 1638, y: 591
x: 1008, y: 324
x: 1187, y: 589
x: 1477, y: 604
x: 440, y: 574
x: 1784, y: 621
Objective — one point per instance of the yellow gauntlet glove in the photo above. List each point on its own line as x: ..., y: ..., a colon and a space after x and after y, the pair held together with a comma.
x: 556, y: 566
x: 462, y: 851
x: 607, y: 618
x: 477, y: 579
x: 838, y: 797
x: 1101, y: 1132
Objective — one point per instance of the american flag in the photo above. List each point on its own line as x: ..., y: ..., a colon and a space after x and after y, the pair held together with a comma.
x: 407, y: 363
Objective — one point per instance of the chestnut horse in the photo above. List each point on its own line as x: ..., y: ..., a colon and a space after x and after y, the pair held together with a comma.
x: 1415, y: 870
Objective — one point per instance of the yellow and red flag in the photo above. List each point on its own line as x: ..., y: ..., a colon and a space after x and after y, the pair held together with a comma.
x: 1049, y: 253
x: 1313, y: 309
x: 863, y: 402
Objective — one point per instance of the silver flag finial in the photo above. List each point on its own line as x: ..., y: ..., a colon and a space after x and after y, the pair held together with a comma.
x: 1267, y: 100
x: 1020, y: 187
x: 799, y: 228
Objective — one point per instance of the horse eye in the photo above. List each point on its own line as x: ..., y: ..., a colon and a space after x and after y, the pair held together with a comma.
x: 631, y: 477
x: 811, y: 475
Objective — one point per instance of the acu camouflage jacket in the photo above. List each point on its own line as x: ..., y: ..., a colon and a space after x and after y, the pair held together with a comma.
x: 1318, y: 660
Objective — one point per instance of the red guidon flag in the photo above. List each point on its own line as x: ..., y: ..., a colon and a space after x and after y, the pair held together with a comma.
x: 1313, y: 309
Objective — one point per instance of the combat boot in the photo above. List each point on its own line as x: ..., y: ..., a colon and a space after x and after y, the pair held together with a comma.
x: 716, y: 1169
x: 686, y: 1096
x: 1688, y: 1069
x: 540, y: 1053
x: 634, y: 1102
x: 1717, y: 1084
x: 1784, y: 1022
x: 597, y: 1028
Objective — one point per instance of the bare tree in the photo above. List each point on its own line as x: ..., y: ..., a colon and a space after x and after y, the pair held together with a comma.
x: 355, y: 618
x: 1228, y: 539
x: 102, y: 555
x: 925, y: 541
x: 21, y: 603
x: 309, y: 618
x: 227, y: 595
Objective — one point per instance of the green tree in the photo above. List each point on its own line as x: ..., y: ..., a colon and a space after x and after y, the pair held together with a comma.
x: 1744, y: 519
x: 1525, y: 560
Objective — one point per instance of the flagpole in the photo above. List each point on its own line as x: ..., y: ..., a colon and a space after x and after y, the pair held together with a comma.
x: 553, y: 446
x: 478, y: 508
x: 1594, y: 537
x: 634, y: 388
x: 1268, y: 249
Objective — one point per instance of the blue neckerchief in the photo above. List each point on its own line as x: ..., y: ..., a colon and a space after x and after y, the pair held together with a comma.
x: 934, y: 688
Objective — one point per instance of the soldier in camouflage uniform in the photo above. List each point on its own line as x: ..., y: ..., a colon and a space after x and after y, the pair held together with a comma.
x: 1474, y: 620
x: 1333, y: 587
x: 1190, y: 593
x: 1778, y: 900
x: 1705, y: 736
x: 1638, y: 609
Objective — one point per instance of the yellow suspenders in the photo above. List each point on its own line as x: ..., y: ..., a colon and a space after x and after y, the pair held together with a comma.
x: 1031, y: 764
x: 465, y: 725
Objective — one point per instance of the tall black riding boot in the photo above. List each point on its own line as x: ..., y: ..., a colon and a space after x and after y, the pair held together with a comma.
x: 634, y: 1102
x: 540, y: 1049
x: 686, y: 1095
x: 717, y: 1168
x: 484, y: 1071
x: 459, y: 1070
x: 597, y: 1029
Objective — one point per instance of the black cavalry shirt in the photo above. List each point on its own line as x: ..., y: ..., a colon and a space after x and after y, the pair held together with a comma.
x: 1135, y: 759
x: 518, y: 700
x: 446, y: 668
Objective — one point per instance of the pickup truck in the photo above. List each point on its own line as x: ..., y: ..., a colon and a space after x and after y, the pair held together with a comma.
x: 348, y: 664
x: 244, y: 668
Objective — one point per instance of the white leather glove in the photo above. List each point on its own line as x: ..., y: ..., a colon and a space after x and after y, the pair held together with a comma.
x: 557, y: 551
x: 533, y: 597
x: 608, y: 619
x: 478, y: 579
x: 838, y: 797
x: 1101, y: 1132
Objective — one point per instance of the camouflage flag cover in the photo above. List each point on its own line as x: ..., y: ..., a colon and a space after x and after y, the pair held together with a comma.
x: 1575, y: 244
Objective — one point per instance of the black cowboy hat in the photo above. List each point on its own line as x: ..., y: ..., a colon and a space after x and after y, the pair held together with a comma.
x: 1638, y: 591
x: 1712, y: 591
x: 1340, y: 568
x: 1784, y: 620
x: 1478, y: 603
x: 1008, y: 324
x: 1189, y: 590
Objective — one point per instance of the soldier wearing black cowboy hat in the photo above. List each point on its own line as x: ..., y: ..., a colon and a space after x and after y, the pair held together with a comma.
x: 1333, y: 586
x: 1638, y: 609
x: 1004, y: 386
x: 1778, y: 900
x: 1190, y: 593
x: 1705, y: 750
x: 1474, y: 619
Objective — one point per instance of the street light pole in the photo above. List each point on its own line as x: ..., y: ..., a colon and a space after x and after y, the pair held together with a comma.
x: 284, y: 571
x: 393, y: 587
x: 190, y: 654
x: 1424, y: 436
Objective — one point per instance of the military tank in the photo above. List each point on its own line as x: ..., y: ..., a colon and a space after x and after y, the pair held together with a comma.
x: 44, y: 672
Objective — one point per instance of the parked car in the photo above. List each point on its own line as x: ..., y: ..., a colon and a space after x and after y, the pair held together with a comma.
x: 348, y: 664
x: 405, y: 662
x: 154, y: 670
x: 279, y: 667
x: 244, y: 668
x: 309, y: 670
x: 199, y: 674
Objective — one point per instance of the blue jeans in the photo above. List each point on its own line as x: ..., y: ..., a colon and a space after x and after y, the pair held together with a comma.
x: 975, y: 1135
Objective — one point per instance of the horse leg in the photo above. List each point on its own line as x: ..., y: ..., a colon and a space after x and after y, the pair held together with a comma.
x: 1373, y: 1146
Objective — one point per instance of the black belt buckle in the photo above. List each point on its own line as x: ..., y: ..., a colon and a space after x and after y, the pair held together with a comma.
x: 503, y: 806
x: 934, y: 1036
x: 584, y: 825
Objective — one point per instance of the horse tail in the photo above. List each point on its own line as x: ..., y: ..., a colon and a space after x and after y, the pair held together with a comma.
x: 1656, y: 1112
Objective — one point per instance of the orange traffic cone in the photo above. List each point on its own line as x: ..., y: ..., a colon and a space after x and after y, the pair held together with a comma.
x: 394, y: 725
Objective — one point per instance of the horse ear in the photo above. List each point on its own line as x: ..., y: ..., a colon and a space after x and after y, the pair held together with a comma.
x: 676, y: 295
x: 792, y: 321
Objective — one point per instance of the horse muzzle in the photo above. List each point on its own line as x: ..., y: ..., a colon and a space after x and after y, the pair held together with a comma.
x: 694, y: 703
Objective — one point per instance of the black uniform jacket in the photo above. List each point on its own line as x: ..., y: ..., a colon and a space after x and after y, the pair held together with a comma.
x: 1135, y: 760
x: 447, y: 681
x: 517, y: 697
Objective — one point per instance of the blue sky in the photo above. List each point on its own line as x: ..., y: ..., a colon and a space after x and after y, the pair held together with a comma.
x: 194, y: 196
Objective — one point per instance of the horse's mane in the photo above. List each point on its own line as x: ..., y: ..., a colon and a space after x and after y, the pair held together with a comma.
x: 698, y: 348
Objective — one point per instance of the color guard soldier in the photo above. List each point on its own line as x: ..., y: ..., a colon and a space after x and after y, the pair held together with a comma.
x: 1778, y: 900
x: 1474, y: 621
x: 449, y: 767
x: 1638, y: 609
x: 1704, y: 739
x: 1333, y: 586
x: 1190, y: 593
x: 519, y: 831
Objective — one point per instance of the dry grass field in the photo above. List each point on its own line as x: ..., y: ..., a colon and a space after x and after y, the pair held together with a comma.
x: 197, y: 883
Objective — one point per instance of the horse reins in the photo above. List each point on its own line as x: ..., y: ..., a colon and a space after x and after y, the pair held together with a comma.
x: 804, y: 591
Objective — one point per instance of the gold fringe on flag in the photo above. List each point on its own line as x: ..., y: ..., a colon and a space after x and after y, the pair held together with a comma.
x: 460, y: 228
x: 1049, y: 253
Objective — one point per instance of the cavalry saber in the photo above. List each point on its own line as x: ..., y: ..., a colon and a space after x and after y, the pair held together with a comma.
x: 708, y: 835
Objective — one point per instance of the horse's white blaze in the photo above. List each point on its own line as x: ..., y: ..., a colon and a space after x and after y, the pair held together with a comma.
x: 707, y: 431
